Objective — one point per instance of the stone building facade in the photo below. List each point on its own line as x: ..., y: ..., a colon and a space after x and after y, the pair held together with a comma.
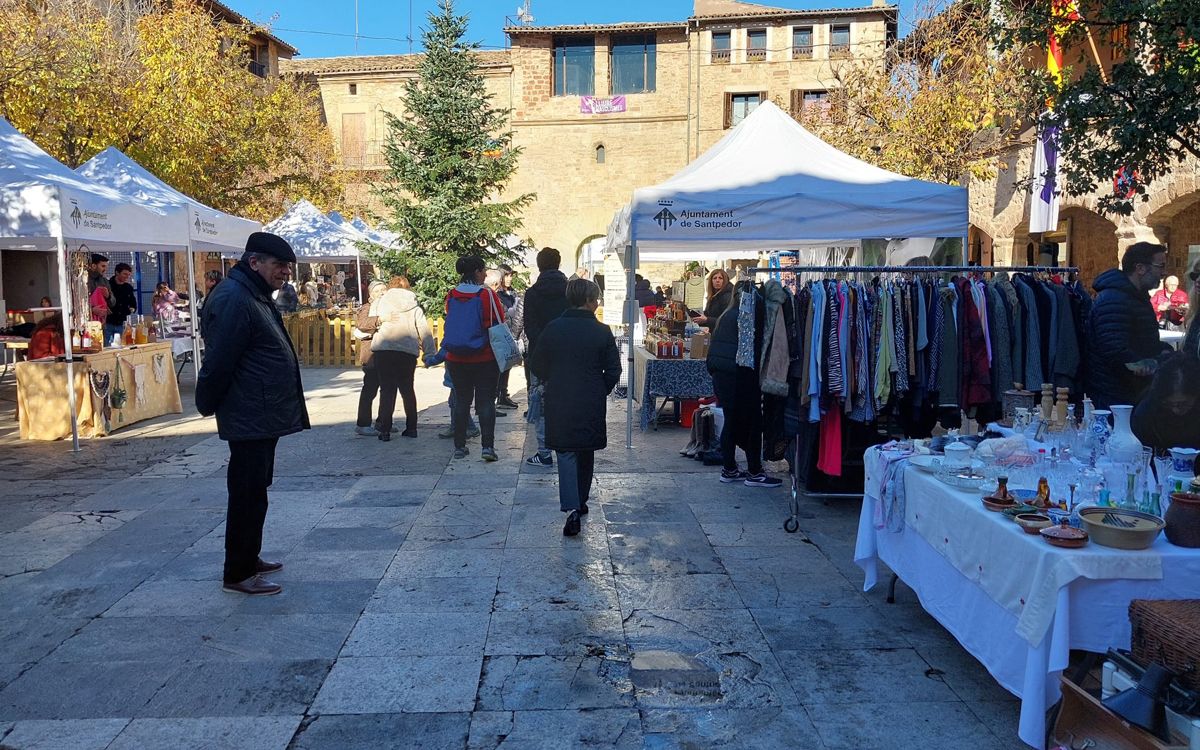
x: 600, y: 110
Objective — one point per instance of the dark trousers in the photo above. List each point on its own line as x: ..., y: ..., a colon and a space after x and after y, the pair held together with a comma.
x: 396, y: 376
x: 366, y: 397
x: 575, y: 470
x: 502, y: 389
x: 474, y: 382
x: 741, y: 400
x: 251, y: 470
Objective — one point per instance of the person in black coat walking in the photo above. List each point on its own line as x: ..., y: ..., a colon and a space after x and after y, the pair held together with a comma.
x: 740, y: 398
x: 544, y: 301
x: 1122, y: 330
x: 250, y: 380
x: 577, y: 358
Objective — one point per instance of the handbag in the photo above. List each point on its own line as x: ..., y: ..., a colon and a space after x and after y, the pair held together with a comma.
x: 504, y: 346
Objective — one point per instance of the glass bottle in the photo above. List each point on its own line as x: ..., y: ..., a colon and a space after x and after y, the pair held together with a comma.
x: 127, y: 333
x: 1043, y: 493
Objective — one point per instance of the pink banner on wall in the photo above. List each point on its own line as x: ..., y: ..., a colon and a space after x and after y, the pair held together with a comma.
x: 591, y: 105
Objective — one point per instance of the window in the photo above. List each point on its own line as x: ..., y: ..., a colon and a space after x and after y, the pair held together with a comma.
x: 260, y: 61
x: 802, y: 42
x: 600, y: 153
x: 633, y: 61
x: 574, y: 66
x: 817, y: 104
x: 756, y: 44
x: 839, y: 40
x: 354, y: 89
x: 720, y: 47
x: 738, y: 106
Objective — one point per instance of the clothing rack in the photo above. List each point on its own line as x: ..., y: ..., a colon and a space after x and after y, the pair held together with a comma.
x: 792, y: 523
x: 914, y: 269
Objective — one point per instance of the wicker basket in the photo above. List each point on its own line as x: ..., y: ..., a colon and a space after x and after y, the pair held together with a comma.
x: 1167, y: 631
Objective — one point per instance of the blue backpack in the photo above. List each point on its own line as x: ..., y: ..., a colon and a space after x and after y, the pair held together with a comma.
x: 463, y: 332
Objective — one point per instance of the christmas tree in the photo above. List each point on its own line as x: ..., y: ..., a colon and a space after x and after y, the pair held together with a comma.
x: 449, y: 156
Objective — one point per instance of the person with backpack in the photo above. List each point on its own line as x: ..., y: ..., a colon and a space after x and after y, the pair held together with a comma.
x: 471, y: 309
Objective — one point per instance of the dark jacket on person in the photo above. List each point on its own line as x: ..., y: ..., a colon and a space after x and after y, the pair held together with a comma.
x: 1121, y: 329
x: 124, y: 302
x: 719, y: 303
x: 644, y: 294
x: 722, y: 348
x: 250, y: 377
x: 545, y: 300
x: 289, y: 300
x: 576, y: 356
x: 1161, y: 429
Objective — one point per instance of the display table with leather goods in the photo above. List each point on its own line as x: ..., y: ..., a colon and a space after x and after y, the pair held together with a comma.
x: 114, y: 388
x: 655, y: 378
x: 1017, y: 604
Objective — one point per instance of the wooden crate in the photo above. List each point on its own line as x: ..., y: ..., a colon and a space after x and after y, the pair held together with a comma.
x: 1083, y: 717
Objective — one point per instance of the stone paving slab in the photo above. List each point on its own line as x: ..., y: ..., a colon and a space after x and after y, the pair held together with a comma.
x: 435, y: 603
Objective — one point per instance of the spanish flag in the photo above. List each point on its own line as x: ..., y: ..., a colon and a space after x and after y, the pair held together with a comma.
x: 1065, y: 12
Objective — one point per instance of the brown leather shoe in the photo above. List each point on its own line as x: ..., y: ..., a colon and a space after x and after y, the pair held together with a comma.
x: 267, y: 567
x: 255, y: 585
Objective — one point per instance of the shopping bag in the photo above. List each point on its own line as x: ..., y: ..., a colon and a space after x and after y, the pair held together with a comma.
x: 504, y: 346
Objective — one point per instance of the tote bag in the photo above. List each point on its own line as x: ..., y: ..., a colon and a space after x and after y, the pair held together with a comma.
x: 504, y: 346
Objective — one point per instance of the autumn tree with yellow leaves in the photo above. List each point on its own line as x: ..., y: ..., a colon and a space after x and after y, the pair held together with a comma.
x: 167, y: 84
x: 942, y: 104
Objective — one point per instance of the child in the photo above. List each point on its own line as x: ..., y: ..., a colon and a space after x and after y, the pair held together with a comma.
x: 472, y: 429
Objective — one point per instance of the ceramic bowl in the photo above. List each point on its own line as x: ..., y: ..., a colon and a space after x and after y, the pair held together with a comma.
x: 1064, y: 536
x: 1122, y: 529
x: 997, y: 506
x: 1032, y: 523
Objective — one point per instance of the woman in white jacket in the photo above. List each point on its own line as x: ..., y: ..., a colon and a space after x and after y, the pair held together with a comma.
x: 403, y: 332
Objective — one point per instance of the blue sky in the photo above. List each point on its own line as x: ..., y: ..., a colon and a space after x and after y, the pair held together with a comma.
x: 323, y: 28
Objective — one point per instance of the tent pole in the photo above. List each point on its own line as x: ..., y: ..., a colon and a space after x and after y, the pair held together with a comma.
x: 64, y: 290
x: 630, y: 308
x: 358, y: 279
x: 191, y: 275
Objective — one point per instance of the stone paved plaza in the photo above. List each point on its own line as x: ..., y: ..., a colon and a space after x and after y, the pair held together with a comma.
x: 436, y: 604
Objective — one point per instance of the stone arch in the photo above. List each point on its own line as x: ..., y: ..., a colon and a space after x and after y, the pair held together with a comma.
x: 1165, y: 196
x: 1177, y: 222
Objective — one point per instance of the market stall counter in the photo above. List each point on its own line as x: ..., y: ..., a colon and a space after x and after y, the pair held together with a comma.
x: 114, y: 388
x: 656, y: 378
x: 1016, y: 603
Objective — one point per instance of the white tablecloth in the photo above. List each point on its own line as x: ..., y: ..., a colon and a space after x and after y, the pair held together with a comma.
x: 1087, y: 614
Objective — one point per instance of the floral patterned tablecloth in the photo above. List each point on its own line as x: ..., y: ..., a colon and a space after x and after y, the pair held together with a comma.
x: 656, y: 378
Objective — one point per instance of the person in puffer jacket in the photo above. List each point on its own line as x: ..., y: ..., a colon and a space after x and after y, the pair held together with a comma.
x: 403, y: 332
x: 1122, y: 330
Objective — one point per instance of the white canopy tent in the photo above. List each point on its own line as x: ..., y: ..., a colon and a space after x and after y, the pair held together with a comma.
x: 208, y: 230
x: 44, y: 206
x: 385, y: 237
x: 316, y: 238
x: 769, y: 184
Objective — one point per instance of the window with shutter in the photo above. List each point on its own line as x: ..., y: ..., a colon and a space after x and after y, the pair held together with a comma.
x: 739, y: 106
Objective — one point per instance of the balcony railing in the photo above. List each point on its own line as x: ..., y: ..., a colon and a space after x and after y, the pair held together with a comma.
x: 257, y: 68
x: 839, y: 50
x: 756, y: 55
x: 720, y: 56
x: 802, y: 52
x: 364, y: 162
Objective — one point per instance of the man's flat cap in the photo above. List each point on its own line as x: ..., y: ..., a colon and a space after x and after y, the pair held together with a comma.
x: 266, y: 243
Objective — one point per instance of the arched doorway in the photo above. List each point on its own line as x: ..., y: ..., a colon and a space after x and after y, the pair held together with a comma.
x: 1181, y: 220
x: 1091, y: 242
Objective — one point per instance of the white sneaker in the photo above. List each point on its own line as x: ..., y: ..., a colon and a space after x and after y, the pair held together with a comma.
x: 366, y: 431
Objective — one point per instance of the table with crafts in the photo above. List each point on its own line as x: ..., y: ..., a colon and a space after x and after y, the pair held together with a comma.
x: 1016, y: 603
x: 114, y: 388
x: 655, y: 378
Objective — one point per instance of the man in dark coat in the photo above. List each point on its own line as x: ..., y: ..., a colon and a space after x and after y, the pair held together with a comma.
x: 577, y: 358
x: 544, y: 301
x: 251, y: 381
x: 1122, y: 331
x: 124, y: 301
